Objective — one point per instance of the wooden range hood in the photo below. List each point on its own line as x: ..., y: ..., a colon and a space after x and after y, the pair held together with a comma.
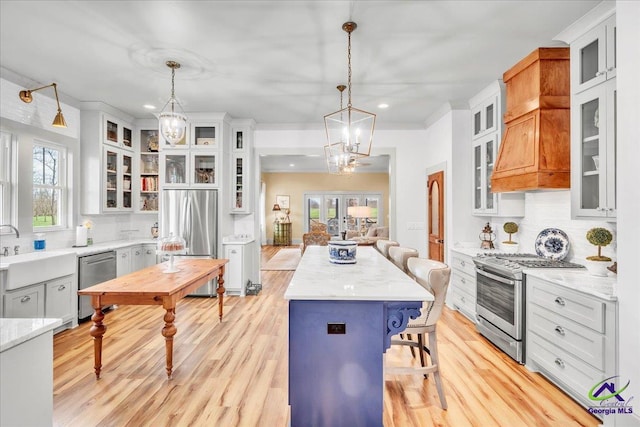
x: 535, y: 149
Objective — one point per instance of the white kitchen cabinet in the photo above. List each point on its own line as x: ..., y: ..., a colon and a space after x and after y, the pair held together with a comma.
x: 182, y: 169
x: 149, y: 255
x: 148, y: 171
x: 123, y: 261
x: 238, y: 271
x: 240, y: 183
x: 462, y: 293
x: 59, y: 298
x: 486, y: 111
x: 117, y: 133
x: 571, y: 337
x: 593, y: 152
x: 593, y: 56
x: 25, y: 302
x: 137, y: 258
x: 106, y: 164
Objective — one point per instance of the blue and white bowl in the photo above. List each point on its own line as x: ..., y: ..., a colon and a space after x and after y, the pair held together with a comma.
x: 342, y: 251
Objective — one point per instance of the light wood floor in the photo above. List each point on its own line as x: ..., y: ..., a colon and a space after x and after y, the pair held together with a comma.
x: 234, y: 373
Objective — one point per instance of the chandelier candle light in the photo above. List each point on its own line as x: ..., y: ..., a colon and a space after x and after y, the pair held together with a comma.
x: 173, y: 121
x: 349, y: 130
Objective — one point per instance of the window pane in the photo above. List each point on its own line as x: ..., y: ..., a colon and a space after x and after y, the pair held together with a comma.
x: 46, y: 165
x: 46, y: 207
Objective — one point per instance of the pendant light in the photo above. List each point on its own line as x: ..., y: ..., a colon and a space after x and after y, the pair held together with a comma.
x: 349, y: 130
x: 339, y: 162
x: 173, y: 121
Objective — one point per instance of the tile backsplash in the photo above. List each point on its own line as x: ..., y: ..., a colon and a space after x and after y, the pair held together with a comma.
x: 552, y: 209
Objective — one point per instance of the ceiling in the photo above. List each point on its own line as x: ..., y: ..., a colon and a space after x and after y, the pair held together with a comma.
x: 277, y: 62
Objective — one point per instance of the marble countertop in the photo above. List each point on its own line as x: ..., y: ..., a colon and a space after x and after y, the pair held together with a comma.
x: 579, y: 280
x: 16, y: 331
x: 471, y: 249
x: 237, y: 240
x: 371, y: 278
x: 79, y: 251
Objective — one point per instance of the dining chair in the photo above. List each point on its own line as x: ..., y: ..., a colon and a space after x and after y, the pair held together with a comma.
x: 434, y: 276
x: 383, y: 246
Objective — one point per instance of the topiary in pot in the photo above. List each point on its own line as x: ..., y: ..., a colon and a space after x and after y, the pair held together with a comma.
x: 600, y: 237
x: 509, y: 245
x: 510, y: 228
x: 597, y: 264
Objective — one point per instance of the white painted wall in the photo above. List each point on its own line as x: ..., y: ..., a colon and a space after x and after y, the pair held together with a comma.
x: 628, y: 17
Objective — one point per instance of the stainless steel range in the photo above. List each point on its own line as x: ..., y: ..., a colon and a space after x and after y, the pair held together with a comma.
x: 500, y: 298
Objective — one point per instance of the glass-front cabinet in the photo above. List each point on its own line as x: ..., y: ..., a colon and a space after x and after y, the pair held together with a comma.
x: 485, y: 117
x: 240, y: 170
x: 149, y: 168
x: 204, y: 135
x: 204, y: 170
x: 182, y: 169
x: 484, y: 155
x: 594, y: 152
x: 117, y: 133
x: 117, y: 178
x: 174, y: 167
x: 593, y: 56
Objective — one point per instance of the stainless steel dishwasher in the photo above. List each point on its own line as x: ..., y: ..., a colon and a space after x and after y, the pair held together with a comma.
x: 93, y: 269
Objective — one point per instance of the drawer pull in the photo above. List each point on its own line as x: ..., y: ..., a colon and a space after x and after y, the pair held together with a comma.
x: 560, y: 330
x: 234, y: 251
x: 560, y: 301
x: 462, y: 299
x: 137, y: 252
x: 462, y: 263
x: 62, y: 287
x: 462, y: 280
x: 25, y: 298
x: 149, y: 251
x: 559, y: 362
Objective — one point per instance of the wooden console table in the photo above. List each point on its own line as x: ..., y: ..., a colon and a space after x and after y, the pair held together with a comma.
x: 152, y: 286
x: 282, y: 234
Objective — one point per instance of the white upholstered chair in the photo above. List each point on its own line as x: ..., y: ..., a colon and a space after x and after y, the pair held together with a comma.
x: 383, y: 246
x: 399, y: 255
x: 433, y: 276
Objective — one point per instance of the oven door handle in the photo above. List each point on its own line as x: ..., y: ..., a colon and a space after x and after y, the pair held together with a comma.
x: 496, y: 277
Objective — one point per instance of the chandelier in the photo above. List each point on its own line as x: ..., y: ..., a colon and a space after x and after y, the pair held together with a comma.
x: 173, y: 121
x: 349, y: 130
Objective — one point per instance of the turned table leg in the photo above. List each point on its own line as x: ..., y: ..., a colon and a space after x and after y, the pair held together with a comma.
x: 220, y: 291
x: 168, y: 332
x: 97, y: 331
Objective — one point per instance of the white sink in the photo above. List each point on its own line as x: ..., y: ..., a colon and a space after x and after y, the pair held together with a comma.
x: 27, y: 269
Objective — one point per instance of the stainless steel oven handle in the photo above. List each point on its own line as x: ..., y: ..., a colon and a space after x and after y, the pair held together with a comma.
x: 496, y: 277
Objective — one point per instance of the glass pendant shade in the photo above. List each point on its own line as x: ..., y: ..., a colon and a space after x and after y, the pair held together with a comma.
x: 173, y: 121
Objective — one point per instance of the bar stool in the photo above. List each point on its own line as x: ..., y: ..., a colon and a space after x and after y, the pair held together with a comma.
x: 434, y: 276
x: 399, y: 255
x: 383, y: 246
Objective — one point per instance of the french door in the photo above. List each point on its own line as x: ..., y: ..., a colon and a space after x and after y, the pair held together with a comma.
x: 332, y: 208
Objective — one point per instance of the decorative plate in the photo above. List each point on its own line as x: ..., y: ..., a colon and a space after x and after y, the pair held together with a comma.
x: 552, y: 243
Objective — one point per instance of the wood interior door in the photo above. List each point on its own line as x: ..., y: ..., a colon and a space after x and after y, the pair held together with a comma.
x: 435, y: 186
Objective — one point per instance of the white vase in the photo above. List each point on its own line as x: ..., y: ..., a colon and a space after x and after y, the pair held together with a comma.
x: 510, y: 248
x: 597, y: 268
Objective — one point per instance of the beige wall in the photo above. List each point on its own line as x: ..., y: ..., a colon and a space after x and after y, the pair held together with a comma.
x: 295, y: 185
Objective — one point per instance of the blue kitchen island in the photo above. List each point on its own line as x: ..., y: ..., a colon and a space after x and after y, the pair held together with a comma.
x: 341, y: 319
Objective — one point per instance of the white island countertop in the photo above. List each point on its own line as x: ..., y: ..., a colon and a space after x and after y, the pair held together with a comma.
x: 16, y: 331
x: 371, y: 278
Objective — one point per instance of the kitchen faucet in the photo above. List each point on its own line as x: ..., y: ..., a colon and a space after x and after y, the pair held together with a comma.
x: 13, y: 228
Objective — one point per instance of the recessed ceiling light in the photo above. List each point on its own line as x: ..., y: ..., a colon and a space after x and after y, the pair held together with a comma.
x: 149, y: 106
x: 291, y: 164
x: 383, y: 105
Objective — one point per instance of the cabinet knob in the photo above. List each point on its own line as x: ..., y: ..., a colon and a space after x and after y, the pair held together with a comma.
x: 25, y: 298
x: 462, y: 299
x: 137, y: 252
x: 610, y: 69
x: 124, y: 255
x: 559, y: 362
x: 149, y: 251
x: 462, y: 280
x: 62, y: 287
x: 560, y: 301
x: 560, y: 330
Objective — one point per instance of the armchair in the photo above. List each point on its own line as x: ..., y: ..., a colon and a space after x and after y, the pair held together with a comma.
x: 317, y: 236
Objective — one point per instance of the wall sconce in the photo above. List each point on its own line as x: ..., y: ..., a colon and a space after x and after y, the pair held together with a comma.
x: 58, y: 121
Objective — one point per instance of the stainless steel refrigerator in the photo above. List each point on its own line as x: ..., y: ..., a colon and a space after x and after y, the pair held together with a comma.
x: 193, y: 215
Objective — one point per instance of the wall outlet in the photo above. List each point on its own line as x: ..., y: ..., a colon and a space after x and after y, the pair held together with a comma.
x: 336, y: 328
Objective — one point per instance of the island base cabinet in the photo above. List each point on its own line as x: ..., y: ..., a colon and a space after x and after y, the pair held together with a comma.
x: 27, y: 383
x: 336, y: 379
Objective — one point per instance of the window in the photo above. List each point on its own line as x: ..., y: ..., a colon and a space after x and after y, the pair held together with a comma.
x: 6, y: 178
x: 49, y: 185
x: 331, y: 208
